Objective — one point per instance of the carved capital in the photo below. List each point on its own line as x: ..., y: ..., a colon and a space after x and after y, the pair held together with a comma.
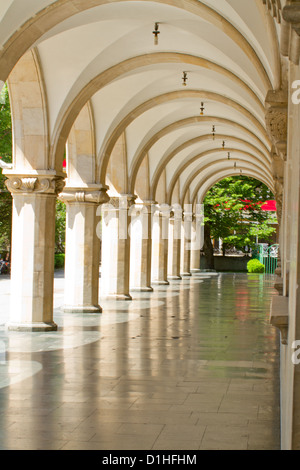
x: 34, y: 184
x: 91, y: 195
x: 123, y: 202
x: 291, y: 14
x: 277, y: 120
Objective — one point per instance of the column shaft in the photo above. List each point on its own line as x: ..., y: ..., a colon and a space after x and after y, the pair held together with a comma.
x: 160, y: 234
x: 82, y: 259
x: 141, y: 248
x: 174, y: 246
x: 186, y: 235
x: 115, y: 268
x: 33, y: 247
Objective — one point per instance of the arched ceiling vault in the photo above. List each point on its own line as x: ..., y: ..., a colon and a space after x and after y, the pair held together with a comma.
x: 102, y: 53
x: 204, y: 186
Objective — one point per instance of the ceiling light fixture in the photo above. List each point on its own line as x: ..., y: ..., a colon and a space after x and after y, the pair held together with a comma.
x: 202, y: 109
x: 228, y: 155
x: 156, y: 32
x: 184, y: 79
x: 223, y: 145
x: 213, y: 132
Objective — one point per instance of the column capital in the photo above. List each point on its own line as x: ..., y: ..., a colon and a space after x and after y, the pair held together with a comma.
x: 188, y: 216
x: 35, y: 182
x: 291, y: 34
x: 92, y: 194
x: 124, y: 201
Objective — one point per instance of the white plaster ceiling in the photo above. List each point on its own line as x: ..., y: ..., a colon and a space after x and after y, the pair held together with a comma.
x: 88, y: 43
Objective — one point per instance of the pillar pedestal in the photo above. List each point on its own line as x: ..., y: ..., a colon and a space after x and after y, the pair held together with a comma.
x: 33, y: 247
x: 82, y: 248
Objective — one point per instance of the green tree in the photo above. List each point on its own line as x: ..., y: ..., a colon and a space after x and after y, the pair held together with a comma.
x: 232, y: 210
x: 60, y: 227
x: 6, y: 156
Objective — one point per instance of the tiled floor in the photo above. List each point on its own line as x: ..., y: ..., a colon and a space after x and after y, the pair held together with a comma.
x: 194, y: 365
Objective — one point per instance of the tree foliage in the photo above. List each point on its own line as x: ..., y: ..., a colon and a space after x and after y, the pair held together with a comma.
x: 6, y: 156
x: 232, y: 210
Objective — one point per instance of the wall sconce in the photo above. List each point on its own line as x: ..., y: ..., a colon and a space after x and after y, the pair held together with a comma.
x: 228, y: 155
x: 184, y: 79
x: 223, y: 145
x: 156, y: 32
x: 202, y: 109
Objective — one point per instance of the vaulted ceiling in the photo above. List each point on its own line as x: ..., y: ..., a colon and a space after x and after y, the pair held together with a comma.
x: 102, y: 53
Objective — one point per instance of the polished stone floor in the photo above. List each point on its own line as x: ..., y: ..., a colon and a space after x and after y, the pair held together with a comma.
x: 191, y: 366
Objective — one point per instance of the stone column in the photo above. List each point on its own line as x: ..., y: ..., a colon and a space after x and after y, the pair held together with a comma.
x: 186, y: 236
x: 141, y: 247
x: 160, y: 234
x: 82, y: 248
x: 174, y: 243
x: 33, y: 248
x: 197, y: 242
x: 115, y: 269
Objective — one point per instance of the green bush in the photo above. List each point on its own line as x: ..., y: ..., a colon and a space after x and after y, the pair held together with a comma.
x: 255, y: 266
x: 59, y: 261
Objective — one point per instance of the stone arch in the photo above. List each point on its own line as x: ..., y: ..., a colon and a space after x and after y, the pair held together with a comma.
x: 117, y: 171
x: 168, y: 157
x: 254, y: 160
x: 179, y: 124
x: 248, y: 166
x: 54, y: 14
x: 81, y: 153
x: 167, y: 97
x: 79, y: 95
x: 29, y: 115
x: 204, y: 185
x: 142, y: 186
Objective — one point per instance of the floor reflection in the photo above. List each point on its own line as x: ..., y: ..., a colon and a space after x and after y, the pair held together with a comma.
x: 193, y: 365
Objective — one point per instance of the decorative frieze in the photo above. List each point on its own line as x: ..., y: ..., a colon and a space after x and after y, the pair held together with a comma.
x: 28, y: 184
x: 93, y: 195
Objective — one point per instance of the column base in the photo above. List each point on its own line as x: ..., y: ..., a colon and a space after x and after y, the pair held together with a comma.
x: 82, y: 309
x: 195, y: 271
x: 174, y: 278
x: 116, y: 297
x: 141, y: 289
x: 185, y: 274
x: 31, y: 327
x: 160, y: 283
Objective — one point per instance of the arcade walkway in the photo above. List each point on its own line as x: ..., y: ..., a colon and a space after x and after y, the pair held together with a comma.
x: 194, y: 365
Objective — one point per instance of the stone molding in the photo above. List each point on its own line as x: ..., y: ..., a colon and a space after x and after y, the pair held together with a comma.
x: 279, y: 315
x: 291, y: 31
x: 92, y: 195
x: 122, y: 202
x: 277, y: 120
x: 274, y: 6
x: 34, y: 184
